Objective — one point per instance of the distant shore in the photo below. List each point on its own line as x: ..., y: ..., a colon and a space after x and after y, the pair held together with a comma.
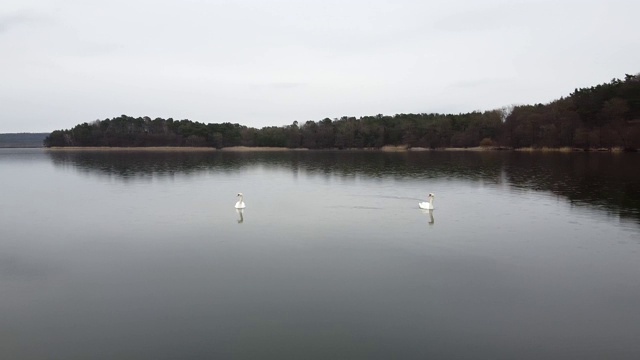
x: 387, y: 148
x: 124, y: 148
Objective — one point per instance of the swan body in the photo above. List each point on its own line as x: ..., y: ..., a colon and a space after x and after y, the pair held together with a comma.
x: 427, y: 205
x: 240, y: 204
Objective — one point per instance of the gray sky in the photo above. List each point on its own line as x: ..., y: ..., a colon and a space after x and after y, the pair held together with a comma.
x: 271, y: 62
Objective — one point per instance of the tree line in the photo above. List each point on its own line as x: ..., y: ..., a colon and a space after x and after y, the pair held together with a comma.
x: 22, y: 140
x: 602, y: 116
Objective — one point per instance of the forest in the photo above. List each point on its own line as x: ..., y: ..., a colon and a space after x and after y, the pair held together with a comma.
x: 605, y: 116
x: 22, y: 140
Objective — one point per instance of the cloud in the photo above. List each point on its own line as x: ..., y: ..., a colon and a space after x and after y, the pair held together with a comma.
x: 286, y: 85
x: 481, y: 82
x: 10, y: 21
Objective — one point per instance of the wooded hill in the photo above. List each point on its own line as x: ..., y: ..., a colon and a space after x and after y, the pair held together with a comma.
x: 602, y: 116
x: 22, y: 140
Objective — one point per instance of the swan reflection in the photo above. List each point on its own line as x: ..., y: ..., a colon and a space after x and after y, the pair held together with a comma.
x: 430, y: 212
x: 240, y: 216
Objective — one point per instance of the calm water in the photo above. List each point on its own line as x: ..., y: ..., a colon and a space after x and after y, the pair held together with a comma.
x: 125, y: 255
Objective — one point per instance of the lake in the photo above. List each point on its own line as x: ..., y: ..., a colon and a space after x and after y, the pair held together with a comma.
x: 141, y: 255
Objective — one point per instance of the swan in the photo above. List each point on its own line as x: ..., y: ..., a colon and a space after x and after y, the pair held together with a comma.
x: 427, y: 205
x: 240, y: 203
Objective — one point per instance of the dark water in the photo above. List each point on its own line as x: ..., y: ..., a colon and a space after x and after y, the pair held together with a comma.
x: 141, y: 255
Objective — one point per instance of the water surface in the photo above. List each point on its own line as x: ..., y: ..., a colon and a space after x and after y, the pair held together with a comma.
x: 141, y: 255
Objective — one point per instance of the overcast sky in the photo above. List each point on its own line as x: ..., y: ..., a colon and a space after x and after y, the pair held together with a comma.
x: 271, y: 62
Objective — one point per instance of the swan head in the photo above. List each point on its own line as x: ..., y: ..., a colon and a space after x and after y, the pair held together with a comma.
x: 431, y: 195
x: 239, y: 194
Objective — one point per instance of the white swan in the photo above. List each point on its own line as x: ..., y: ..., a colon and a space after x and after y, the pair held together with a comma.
x: 427, y: 205
x: 240, y: 203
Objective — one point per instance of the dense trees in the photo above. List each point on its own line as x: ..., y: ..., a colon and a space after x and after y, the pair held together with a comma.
x: 413, y: 130
x: 606, y: 115
x: 601, y: 116
x: 128, y: 131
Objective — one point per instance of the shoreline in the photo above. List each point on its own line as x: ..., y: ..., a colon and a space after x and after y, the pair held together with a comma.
x: 169, y: 148
x: 387, y: 148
